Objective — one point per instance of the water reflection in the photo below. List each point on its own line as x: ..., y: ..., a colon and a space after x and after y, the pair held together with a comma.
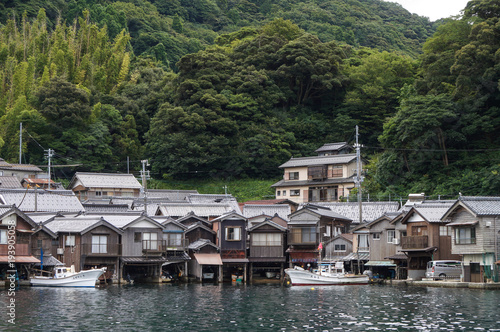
x: 227, y: 307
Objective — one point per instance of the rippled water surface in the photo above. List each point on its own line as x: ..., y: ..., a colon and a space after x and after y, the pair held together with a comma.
x: 196, y: 307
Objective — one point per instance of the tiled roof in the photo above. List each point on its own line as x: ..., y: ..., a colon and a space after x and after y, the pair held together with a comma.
x: 332, y: 146
x: 18, y: 167
x: 370, y: 210
x: 172, y: 195
x: 106, y: 207
x: 198, y: 244
x: 320, y: 160
x: 201, y: 210
x: 46, y: 200
x: 106, y: 180
x: 253, y: 210
x: 10, y: 182
x: 71, y: 224
x: 482, y: 205
x: 288, y: 183
x: 208, y: 198
x: 433, y: 212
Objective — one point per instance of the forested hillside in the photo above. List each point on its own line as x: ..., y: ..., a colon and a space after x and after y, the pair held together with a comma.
x: 232, y: 89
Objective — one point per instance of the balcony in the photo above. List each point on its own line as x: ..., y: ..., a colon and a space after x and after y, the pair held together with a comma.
x: 233, y: 254
x: 154, y: 246
x: 317, y: 173
x: 415, y: 242
x: 90, y: 249
x: 302, y: 236
x: 176, y: 244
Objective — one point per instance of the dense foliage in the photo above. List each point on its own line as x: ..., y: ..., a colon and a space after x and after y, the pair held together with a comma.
x: 217, y: 89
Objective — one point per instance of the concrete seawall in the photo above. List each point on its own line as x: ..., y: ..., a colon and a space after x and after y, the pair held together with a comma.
x: 445, y: 284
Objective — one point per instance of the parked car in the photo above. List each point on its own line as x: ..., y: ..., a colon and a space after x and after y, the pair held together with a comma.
x: 443, y: 269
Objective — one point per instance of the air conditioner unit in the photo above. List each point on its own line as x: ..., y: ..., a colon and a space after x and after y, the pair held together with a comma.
x: 395, y: 241
x: 60, y: 251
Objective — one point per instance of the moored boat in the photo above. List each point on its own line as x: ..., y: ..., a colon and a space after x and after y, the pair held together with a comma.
x: 327, y: 274
x: 67, y: 277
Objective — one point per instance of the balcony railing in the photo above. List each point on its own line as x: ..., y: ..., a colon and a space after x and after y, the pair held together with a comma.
x: 233, y: 254
x: 154, y: 246
x: 176, y: 244
x: 415, y: 242
x: 109, y: 249
x: 300, y: 238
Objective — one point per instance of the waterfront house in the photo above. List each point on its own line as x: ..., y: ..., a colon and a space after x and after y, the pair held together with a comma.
x: 267, y: 247
x: 257, y: 213
x: 87, y: 242
x: 231, y: 229
x: 475, y: 233
x: 15, y: 242
x: 382, y: 241
x: 104, y: 185
x: 338, y: 247
x: 206, y: 262
x: 176, y: 245
x: 327, y: 177
x: 310, y: 226
x: 143, y: 246
x: 427, y: 236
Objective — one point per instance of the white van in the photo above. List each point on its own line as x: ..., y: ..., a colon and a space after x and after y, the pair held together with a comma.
x: 443, y: 269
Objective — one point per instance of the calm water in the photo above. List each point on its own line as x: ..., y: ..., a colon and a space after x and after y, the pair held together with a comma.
x: 196, y: 307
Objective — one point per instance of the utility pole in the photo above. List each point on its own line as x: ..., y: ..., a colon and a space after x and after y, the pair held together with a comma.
x: 145, y: 176
x: 49, y: 154
x: 358, y: 180
x: 20, y: 142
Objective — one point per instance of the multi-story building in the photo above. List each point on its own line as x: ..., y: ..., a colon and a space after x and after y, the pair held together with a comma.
x: 324, y: 178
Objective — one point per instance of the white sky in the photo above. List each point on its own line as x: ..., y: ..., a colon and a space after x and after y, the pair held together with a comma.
x: 433, y: 9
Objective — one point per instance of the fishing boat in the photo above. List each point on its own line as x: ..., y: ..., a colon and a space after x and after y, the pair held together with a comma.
x: 67, y: 277
x: 327, y: 274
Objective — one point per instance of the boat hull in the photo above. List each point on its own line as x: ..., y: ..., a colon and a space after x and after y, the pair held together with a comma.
x: 306, y: 278
x: 87, y: 278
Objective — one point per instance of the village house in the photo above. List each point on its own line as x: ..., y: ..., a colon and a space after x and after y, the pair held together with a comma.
x: 327, y: 177
x: 475, y: 236
x: 38, y: 200
x: 231, y: 229
x: 20, y: 171
x: 310, y: 226
x: 104, y: 185
x: 427, y: 236
x: 338, y: 247
x: 87, y: 242
x: 206, y: 263
x: 267, y: 247
x: 15, y: 242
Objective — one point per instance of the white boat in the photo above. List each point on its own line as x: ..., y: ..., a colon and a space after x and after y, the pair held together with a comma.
x: 67, y: 277
x: 327, y: 274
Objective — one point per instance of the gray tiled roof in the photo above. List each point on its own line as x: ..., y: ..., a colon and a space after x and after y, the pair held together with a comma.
x: 198, y: 244
x: 18, y: 167
x: 433, y: 212
x: 46, y: 200
x: 71, y: 224
x: 10, y: 182
x: 482, y: 205
x: 370, y: 210
x: 106, y: 180
x: 253, y: 210
x: 172, y: 195
x: 200, y: 209
x: 332, y: 146
x: 320, y: 160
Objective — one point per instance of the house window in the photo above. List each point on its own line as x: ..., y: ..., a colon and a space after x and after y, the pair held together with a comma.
x: 295, y: 192
x: 99, y: 244
x: 266, y: 239
x: 3, y: 236
x: 98, y: 193
x: 391, y: 235
x: 419, y: 231
x: 465, y: 235
x: 376, y: 236
x: 444, y: 231
x: 337, y: 172
x: 293, y: 176
x: 363, y: 242
x: 284, y: 192
x: 339, y: 248
x: 303, y: 235
x: 278, y: 193
x: 70, y: 240
x: 323, y: 194
x: 174, y: 239
x: 233, y: 233
x: 150, y: 241
x: 137, y: 237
